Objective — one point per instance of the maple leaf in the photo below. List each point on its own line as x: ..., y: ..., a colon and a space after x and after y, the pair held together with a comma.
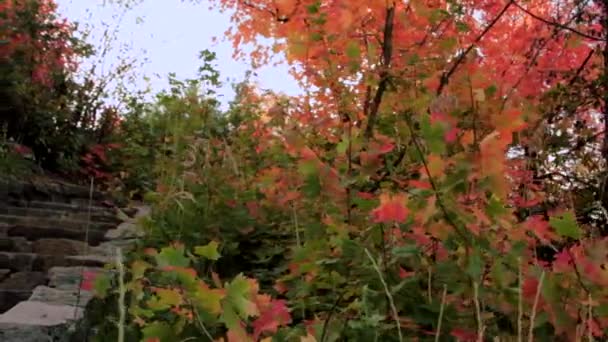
x: 238, y: 296
x: 272, y: 318
x: 208, y: 251
x: 210, y: 300
x: 392, y: 209
x: 164, y: 299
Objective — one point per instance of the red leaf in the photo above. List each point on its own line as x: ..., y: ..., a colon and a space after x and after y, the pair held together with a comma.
x: 277, y: 314
x: 386, y: 148
x: 420, y: 184
x: 451, y: 135
x: 529, y: 288
x: 391, y: 209
x: 463, y: 335
x: 562, y: 262
x: 88, y: 279
x: 405, y: 274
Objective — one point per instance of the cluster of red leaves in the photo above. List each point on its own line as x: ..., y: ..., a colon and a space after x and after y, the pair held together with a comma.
x: 95, y: 161
x: 48, y: 49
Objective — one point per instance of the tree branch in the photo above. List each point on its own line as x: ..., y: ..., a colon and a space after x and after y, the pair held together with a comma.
x: 445, y: 77
x: 387, y: 53
x: 556, y: 24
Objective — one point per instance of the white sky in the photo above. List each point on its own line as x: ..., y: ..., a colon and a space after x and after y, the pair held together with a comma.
x: 172, y: 34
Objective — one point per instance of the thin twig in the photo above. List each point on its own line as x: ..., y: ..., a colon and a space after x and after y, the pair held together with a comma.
x: 388, y: 294
x: 589, y: 320
x: 438, y: 333
x: 445, y: 78
x: 429, y: 285
x: 295, y: 224
x: 439, y: 199
x: 534, y: 307
x: 520, y: 304
x: 387, y: 53
x: 85, y: 247
x: 200, y: 323
x: 556, y: 24
x: 480, y: 327
x: 122, y: 310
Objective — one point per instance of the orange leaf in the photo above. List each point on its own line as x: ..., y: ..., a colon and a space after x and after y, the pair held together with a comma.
x: 391, y: 209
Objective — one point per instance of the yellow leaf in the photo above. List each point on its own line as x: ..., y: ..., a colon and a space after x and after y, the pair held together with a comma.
x: 435, y: 164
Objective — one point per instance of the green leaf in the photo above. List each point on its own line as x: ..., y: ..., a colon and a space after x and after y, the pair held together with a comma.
x: 565, y: 225
x: 209, y: 251
x: 159, y: 330
x: 209, y: 299
x: 342, y: 146
x: 316, y: 36
x: 433, y: 135
x: 352, y: 50
x: 102, y: 285
x: 172, y: 256
x: 495, y: 208
x: 462, y: 27
x: 238, y: 294
x: 312, y: 186
x: 475, y: 266
x: 164, y: 299
x: 406, y: 251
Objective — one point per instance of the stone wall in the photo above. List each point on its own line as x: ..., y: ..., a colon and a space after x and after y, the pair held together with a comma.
x: 49, y: 238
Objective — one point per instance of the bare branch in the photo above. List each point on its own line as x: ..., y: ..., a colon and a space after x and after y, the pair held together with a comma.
x: 556, y: 24
x: 445, y: 78
x: 387, y: 53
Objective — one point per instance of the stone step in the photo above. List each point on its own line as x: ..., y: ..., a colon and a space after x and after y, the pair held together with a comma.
x: 47, y: 190
x: 52, y: 222
x: 69, y: 207
x: 33, y: 232
x: 101, y: 217
x: 62, y: 296
x: 44, y: 262
x: 18, y: 287
x: 15, y: 332
x: 40, y: 314
x: 10, y: 298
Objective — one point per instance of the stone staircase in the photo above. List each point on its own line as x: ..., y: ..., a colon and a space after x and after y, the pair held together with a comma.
x: 50, y: 236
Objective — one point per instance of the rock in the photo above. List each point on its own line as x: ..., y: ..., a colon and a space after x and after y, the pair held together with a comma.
x: 142, y: 211
x: 82, y: 225
x: 23, y: 281
x: 36, y: 232
x: 88, y: 260
x: 125, y: 230
x: 41, y: 314
x: 54, y: 296
x: 108, y: 248
x: 4, y: 228
x: 58, y: 247
x: 21, y: 245
x: 33, y: 333
x: 10, y: 298
x: 18, y: 287
x: 18, y: 261
x: 4, y: 273
x: 15, y: 244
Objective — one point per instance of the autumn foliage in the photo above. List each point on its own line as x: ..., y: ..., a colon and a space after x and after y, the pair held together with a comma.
x: 425, y: 179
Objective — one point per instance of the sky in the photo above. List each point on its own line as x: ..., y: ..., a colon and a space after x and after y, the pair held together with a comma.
x: 172, y: 34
